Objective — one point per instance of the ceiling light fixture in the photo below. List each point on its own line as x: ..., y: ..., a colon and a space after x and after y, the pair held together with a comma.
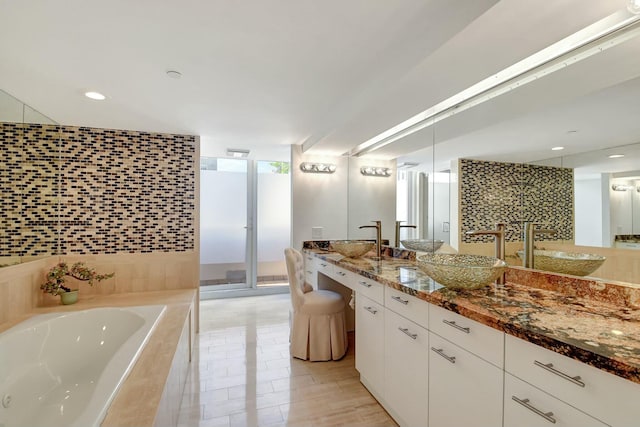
x: 602, y: 35
x: 375, y: 171
x: 557, y: 148
x: 237, y: 152
x: 309, y: 167
x: 97, y: 96
x: 407, y: 165
x: 615, y: 156
x: 174, y: 74
x: 633, y: 6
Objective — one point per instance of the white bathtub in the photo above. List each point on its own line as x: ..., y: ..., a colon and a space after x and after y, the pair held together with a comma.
x: 63, y: 369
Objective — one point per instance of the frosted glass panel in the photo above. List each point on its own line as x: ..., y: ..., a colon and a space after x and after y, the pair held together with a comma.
x: 274, y: 218
x: 223, y: 218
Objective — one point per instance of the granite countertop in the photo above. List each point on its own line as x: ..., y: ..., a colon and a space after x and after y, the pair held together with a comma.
x: 594, y: 322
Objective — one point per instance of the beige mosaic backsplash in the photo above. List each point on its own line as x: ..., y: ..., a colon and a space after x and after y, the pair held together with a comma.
x: 103, y: 191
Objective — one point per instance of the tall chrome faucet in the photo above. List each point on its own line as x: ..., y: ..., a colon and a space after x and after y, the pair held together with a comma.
x: 398, y: 227
x: 378, y: 228
x: 499, y: 235
x: 530, y: 232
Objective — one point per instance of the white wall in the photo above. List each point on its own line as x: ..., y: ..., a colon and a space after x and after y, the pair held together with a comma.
x: 342, y: 201
x: 588, y: 212
x: 371, y: 198
x: 318, y: 199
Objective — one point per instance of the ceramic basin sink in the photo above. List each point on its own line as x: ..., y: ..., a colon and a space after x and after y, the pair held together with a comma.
x: 352, y: 248
x: 574, y: 263
x: 459, y: 271
x: 423, y: 245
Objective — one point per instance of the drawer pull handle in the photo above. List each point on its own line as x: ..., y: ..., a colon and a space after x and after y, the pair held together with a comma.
x: 407, y: 333
x: 451, y: 359
x: 368, y: 285
x: 371, y: 310
x: 549, y: 367
x: 546, y: 415
x: 310, y: 272
x: 342, y: 273
x: 323, y: 265
x: 400, y: 300
x: 452, y: 323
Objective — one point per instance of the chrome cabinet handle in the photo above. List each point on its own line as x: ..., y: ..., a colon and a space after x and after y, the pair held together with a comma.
x: 371, y: 310
x: 341, y: 273
x: 549, y: 367
x: 368, y: 285
x: 323, y: 265
x: 451, y: 359
x: 400, y: 300
x: 525, y: 402
x: 452, y: 323
x: 406, y: 332
x: 309, y: 271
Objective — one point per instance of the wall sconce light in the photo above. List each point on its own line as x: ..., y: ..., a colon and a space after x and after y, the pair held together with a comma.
x: 317, y: 167
x: 375, y: 171
x: 621, y: 187
x: 237, y: 152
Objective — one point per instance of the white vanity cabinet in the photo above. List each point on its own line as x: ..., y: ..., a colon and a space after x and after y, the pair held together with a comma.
x: 406, y: 369
x: 606, y: 397
x: 464, y: 390
x: 370, y: 344
x: 527, y: 406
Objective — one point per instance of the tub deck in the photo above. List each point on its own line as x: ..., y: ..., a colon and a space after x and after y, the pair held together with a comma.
x: 138, y: 401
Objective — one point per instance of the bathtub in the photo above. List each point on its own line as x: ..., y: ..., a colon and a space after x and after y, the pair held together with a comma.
x: 64, y: 369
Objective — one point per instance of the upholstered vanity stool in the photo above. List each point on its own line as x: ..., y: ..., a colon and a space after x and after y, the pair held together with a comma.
x: 318, y: 329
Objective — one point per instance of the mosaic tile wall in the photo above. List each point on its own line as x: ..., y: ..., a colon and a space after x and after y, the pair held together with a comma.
x: 102, y: 191
x: 512, y: 193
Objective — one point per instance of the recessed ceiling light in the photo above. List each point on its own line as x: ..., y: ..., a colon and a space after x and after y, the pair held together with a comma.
x: 237, y: 152
x: 95, y: 95
x: 616, y: 156
x: 557, y: 148
x: 572, y: 131
x: 174, y: 74
x: 633, y: 6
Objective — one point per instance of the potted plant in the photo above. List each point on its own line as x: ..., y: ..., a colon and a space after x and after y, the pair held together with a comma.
x: 55, y: 284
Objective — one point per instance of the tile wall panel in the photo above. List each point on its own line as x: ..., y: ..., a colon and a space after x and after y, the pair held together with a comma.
x: 103, y: 191
x: 492, y: 192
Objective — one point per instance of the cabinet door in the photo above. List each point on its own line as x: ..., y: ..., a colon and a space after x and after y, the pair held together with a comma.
x: 526, y: 406
x: 406, y: 370
x: 370, y: 343
x: 464, y: 390
x: 310, y: 271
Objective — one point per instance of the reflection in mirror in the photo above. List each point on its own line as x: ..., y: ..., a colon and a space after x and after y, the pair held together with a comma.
x: 590, y: 109
x: 29, y: 179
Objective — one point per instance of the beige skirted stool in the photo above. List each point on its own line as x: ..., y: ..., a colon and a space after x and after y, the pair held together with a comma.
x: 318, y: 329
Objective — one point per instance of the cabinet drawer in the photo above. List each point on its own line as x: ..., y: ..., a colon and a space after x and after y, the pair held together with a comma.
x: 526, y: 406
x: 324, y: 267
x: 340, y: 275
x: 605, y: 396
x: 464, y: 390
x: 408, y: 306
x: 367, y: 287
x: 475, y: 337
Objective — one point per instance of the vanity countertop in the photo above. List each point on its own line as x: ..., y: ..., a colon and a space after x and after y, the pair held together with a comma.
x: 595, y: 323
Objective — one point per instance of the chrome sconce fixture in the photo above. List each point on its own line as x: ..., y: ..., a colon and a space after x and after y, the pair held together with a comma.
x: 375, y: 171
x: 237, y: 152
x: 317, y: 167
x: 621, y: 187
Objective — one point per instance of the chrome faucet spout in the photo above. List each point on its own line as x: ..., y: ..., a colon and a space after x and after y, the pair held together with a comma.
x: 398, y: 227
x: 378, y: 228
x: 530, y: 232
x: 499, y: 235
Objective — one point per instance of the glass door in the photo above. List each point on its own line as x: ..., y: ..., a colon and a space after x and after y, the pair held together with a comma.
x: 245, y: 222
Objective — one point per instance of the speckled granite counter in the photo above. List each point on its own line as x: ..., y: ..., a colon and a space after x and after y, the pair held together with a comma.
x: 591, y: 321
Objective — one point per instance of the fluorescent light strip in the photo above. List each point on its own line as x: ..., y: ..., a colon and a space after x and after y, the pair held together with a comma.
x: 602, y: 35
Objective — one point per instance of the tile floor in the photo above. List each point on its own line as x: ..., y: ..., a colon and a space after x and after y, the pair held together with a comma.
x: 242, y: 374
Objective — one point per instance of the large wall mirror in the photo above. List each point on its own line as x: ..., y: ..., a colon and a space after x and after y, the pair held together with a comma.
x: 588, y: 191
x: 29, y: 223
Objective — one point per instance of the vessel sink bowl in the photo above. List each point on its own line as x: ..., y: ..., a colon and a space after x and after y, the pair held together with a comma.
x: 574, y: 263
x: 422, y: 245
x: 459, y: 271
x: 352, y: 248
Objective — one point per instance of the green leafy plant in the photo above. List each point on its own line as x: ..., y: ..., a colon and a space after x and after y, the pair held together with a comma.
x: 55, y: 283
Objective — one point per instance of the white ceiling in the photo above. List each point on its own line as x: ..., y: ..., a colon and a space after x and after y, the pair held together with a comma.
x: 265, y: 74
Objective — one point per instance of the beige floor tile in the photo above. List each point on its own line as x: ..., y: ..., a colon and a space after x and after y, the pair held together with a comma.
x: 243, y: 375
